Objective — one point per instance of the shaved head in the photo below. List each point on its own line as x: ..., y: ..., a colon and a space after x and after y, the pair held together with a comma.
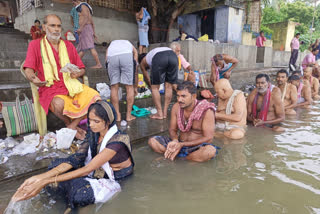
x: 223, y: 83
x: 223, y: 89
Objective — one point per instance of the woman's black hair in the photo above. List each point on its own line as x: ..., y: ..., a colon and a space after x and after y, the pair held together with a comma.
x: 35, y: 21
x: 102, y: 113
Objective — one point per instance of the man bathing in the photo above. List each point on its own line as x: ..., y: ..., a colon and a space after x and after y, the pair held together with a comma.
x: 265, y: 107
x: 303, y: 91
x: 232, y: 111
x: 194, y: 120
x: 289, y: 95
x: 314, y: 83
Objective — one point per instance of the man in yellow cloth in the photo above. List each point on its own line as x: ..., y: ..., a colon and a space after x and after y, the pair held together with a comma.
x: 61, y: 92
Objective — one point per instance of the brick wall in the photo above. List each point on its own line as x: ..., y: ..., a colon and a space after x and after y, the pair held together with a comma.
x: 254, y: 16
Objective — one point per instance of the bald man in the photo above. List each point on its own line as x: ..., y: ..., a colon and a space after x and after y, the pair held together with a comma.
x: 314, y: 83
x: 231, y: 115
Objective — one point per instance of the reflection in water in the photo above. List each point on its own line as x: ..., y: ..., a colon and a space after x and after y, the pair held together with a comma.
x: 266, y: 172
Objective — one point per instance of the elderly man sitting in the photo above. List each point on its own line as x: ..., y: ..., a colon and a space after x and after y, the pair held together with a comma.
x: 231, y: 113
x: 59, y: 91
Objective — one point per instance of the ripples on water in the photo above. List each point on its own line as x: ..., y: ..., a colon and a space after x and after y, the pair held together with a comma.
x: 266, y: 172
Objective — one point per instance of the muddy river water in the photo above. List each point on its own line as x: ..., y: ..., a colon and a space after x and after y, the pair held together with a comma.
x: 266, y: 172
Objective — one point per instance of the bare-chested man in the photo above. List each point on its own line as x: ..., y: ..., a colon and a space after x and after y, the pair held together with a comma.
x: 265, y: 107
x: 86, y: 31
x: 289, y: 95
x: 314, y: 83
x: 303, y: 91
x: 194, y: 120
x: 231, y: 113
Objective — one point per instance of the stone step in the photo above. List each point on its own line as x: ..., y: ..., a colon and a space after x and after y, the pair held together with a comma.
x: 10, y: 63
x: 11, y: 76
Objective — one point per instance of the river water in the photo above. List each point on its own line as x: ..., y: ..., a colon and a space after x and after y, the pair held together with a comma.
x: 266, y: 172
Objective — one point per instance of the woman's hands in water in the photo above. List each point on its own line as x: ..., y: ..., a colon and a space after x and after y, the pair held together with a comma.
x: 30, y: 188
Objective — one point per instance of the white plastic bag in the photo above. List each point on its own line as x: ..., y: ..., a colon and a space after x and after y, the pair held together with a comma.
x: 29, y: 145
x: 104, y: 189
x: 103, y: 90
x: 65, y: 137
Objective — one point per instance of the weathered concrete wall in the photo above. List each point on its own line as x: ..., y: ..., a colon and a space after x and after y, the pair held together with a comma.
x: 281, y: 58
x: 235, y: 25
x: 221, y: 24
x: 283, y: 32
x: 111, y: 24
x: 200, y: 53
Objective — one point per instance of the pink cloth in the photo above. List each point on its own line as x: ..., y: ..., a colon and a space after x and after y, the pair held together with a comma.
x: 295, y: 44
x: 310, y: 58
x: 260, y: 40
x: 197, y: 113
x: 34, y: 61
x: 86, y: 38
x: 184, y: 62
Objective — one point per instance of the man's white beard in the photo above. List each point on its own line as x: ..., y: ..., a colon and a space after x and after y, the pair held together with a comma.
x: 262, y: 90
x: 51, y: 36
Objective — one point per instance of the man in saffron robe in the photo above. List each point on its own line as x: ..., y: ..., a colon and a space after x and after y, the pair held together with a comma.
x: 194, y: 120
x: 265, y: 107
x: 60, y: 92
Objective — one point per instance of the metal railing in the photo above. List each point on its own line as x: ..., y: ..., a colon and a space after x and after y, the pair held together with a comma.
x: 26, y: 5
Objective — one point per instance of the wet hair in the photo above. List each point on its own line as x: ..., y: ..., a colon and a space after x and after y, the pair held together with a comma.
x: 141, y: 56
x: 294, y: 77
x: 297, y: 73
x: 187, y: 85
x: 217, y: 57
x: 297, y: 34
x: 45, y: 20
x: 35, y: 21
x: 259, y: 76
x: 282, y: 71
x: 100, y: 111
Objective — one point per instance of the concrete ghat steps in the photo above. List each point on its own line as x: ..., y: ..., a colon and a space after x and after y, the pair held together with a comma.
x: 24, y: 166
